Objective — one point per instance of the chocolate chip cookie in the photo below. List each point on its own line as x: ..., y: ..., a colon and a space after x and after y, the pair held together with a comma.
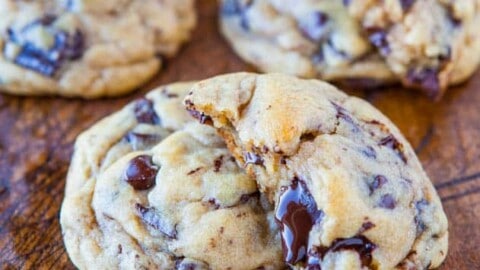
x: 87, y: 48
x: 348, y: 190
x: 427, y: 45
x: 150, y: 188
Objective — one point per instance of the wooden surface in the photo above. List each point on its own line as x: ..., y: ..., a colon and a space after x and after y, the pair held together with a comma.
x: 36, y: 137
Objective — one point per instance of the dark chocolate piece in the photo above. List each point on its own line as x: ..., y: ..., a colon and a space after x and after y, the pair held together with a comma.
x: 150, y: 216
x: 141, y: 172
x: 145, y: 113
x: 296, y: 214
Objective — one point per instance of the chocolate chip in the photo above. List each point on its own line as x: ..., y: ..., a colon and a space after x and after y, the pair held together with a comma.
x: 236, y: 8
x: 346, y: 2
x: 194, y: 171
x: 425, y: 79
x: 140, y: 141
x: 296, y: 213
x: 378, y: 37
x: 252, y: 158
x: 213, y: 202
x: 343, y: 114
x: 377, y: 183
x: 217, y: 163
x: 201, y: 117
x: 360, y: 244
x: 365, y: 227
x: 387, y: 201
x: 307, y: 137
x: 150, y: 216
x: 167, y: 94
x: 406, y: 4
x: 391, y: 142
x: 314, y: 25
x: 184, y: 264
x: 247, y: 197
x: 420, y: 208
x: 30, y: 58
x: 145, y: 113
x: 369, y: 152
x: 141, y: 172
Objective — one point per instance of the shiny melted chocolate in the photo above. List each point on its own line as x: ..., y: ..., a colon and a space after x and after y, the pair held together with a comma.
x: 296, y: 214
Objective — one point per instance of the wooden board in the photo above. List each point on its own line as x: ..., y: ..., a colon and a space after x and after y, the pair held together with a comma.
x: 36, y: 137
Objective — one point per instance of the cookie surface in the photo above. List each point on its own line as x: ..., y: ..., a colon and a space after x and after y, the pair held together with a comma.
x: 150, y: 188
x: 348, y: 190
x: 87, y: 48
x: 363, y: 42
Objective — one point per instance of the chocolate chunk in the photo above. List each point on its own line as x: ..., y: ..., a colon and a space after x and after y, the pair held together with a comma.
x: 406, y: 4
x: 346, y: 2
x: 141, y: 172
x: 252, y: 158
x: 314, y: 25
x: 30, y: 58
x: 217, y: 163
x: 377, y: 183
x: 391, y: 142
x: 378, y: 37
x: 213, y: 202
x: 360, y: 244
x: 145, y: 113
x: 150, y: 216
x: 140, y: 141
x: 296, y: 214
x: 47, y: 61
x: 425, y: 79
x: 387, y: 201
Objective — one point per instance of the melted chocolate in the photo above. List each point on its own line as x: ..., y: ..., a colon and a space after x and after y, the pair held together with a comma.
x: 145, y: 113
x: 296, y: 214
x: 141, y: 172
x: 360, y: 244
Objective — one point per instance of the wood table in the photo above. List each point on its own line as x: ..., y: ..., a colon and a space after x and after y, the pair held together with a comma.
x: 37, y: 134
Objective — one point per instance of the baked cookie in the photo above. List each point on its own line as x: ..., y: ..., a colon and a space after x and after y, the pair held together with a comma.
x: 87, y: 48
x: 348, y: 190
x: 428, y: 44
x: 148, y: 188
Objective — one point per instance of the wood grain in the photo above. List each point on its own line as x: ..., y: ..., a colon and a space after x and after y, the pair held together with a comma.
x: 36, y: 137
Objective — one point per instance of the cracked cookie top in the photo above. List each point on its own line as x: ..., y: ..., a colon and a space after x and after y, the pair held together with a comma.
x: 87, y: 48
x: 348, y: 190
x: 150, y: 188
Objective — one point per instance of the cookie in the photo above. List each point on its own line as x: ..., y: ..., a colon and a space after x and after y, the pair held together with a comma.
x: 90, y: 49
x: 150, y: 188
x: 369, y: 43
x: 348, y: 190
